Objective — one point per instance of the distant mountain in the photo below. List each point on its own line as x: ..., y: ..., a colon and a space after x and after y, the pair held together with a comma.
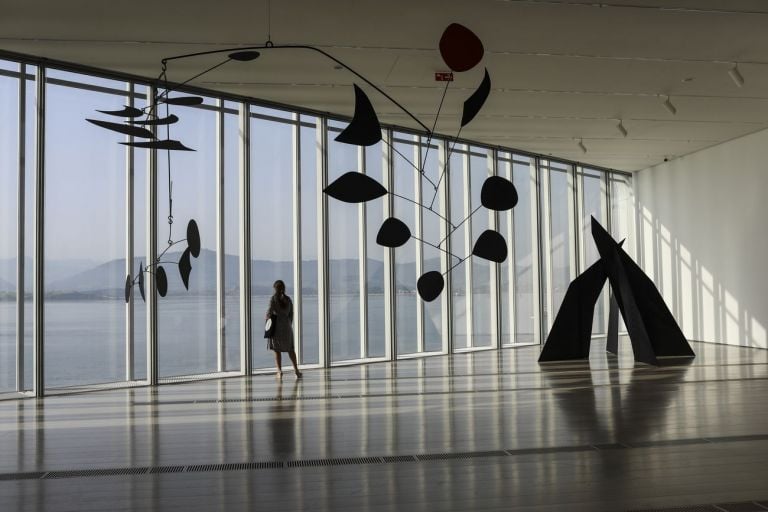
x: 6, y: 286
x: 107, y: 280
x: 54, y: 270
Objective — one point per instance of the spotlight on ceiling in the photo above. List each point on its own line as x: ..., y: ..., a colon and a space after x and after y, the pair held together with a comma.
x: 736, y: 75
x: 582, y: 146
x: 244, y: 56
x: 622, y: 129
x: 669, y: 106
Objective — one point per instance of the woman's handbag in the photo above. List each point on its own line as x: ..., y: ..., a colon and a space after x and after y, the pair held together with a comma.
x: 269, y: 327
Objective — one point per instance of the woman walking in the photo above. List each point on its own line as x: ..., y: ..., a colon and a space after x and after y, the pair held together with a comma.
x: 281, y: 311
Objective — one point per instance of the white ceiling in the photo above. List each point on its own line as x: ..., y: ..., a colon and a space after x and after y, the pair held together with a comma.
x: 562, y: 71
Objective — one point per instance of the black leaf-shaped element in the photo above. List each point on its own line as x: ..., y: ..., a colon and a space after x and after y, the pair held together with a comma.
x: 128, y: 286
x: 498, y: 194
x: 186, y: 101
x: 185, y: 267
x: 475, y: 102
x: 364, y: 129
x: 244, y: 56
x: 162, y: 281
x: 355, y: 187
x: 157, y: 121
x: 141, y: 282
x: 193, y: 238
x: 460, y: 48
x: 125, y: 112
x: 393, y: 233
x: 172, y: 145
x: 430, y: 285
x: 490, y: 245
x: 135, y: 131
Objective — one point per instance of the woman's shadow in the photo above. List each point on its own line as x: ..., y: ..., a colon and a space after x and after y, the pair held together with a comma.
x: 282, y: 420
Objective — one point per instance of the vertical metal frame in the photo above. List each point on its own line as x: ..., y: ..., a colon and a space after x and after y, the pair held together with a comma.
x: 298, y: 309
x: 446, y: 261
x: 362, y: 251
x: 605, y: 205
x: 581, y: 248
x: 419, y: 228
x: 20, y: 231
x: 509, y: 235
x: 573, y: 252
x: 38, y: 282
x: 150, y: 289
x: 467, y: 197
x: 390, y: 331
x: 246, y: 362
x: 324, y: 355
x: 536, y: 251
x: 495, y: 268
x: 545, y: 239
x: 129, y: 245
x: 221, y: 335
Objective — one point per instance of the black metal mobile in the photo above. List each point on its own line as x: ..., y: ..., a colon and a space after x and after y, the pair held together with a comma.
x: 460, y: 49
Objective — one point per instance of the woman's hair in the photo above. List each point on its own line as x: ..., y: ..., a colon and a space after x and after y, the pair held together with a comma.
x: 280, y: 295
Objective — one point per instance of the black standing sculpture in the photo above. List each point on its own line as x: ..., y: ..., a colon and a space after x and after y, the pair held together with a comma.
x: 652, y: 329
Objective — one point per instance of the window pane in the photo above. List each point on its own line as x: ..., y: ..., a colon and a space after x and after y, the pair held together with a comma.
x: 376, y: 343
x: 561, y: 236
x: 232, y: 238
x: 526, y: 256
x: 9, y: 191
x: 592, y: 206
x: 310, y: 320
x: 481, y: 268
x: 84, y: 239
x: 432, y: 257
x: 459, y: 246
x: 343, y: 255
x: 271, y: 223
x: 187, y: 327
x: 405, y: 155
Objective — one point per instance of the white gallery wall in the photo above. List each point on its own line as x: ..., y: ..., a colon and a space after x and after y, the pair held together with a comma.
x: 702, y: 231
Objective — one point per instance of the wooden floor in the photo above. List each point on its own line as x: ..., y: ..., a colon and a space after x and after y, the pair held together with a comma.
x: 480, y: 431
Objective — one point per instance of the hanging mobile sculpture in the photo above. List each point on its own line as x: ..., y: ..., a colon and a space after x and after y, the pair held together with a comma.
x: 460, y: 49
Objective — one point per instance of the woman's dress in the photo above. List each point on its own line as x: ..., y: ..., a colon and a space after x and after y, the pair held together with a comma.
x: 282, y: 341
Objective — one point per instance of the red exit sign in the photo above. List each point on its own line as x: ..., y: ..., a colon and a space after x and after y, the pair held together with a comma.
x: 444, y: 77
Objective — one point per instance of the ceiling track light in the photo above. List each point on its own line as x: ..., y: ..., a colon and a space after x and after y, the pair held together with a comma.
x: 670, y: 107
x: 582, y: 146
x: 736, y: 75
x: 622, y: 129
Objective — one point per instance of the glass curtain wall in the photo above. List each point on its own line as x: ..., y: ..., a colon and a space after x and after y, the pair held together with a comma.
x: 459, y: 245
x: 343, y: 254
x: 96, y: 211
x: 560, y: 240
x: 272, y: 156
x: 432, y: 228
x: 85, y: 174
x: 481, y: 278
x: 309, y: 344
x: 407, y: 183
x: 519, y: 275
x: 10, y: 140
x: 376, y: 343
x: 593, y: 204
x: 187, y: 319
x: 622, y: 208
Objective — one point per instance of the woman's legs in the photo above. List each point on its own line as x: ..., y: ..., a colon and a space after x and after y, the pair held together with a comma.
x: 292, y: 355
x: 279, y: 363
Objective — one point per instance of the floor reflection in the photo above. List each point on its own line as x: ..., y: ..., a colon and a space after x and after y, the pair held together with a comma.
x: 614, y: 404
